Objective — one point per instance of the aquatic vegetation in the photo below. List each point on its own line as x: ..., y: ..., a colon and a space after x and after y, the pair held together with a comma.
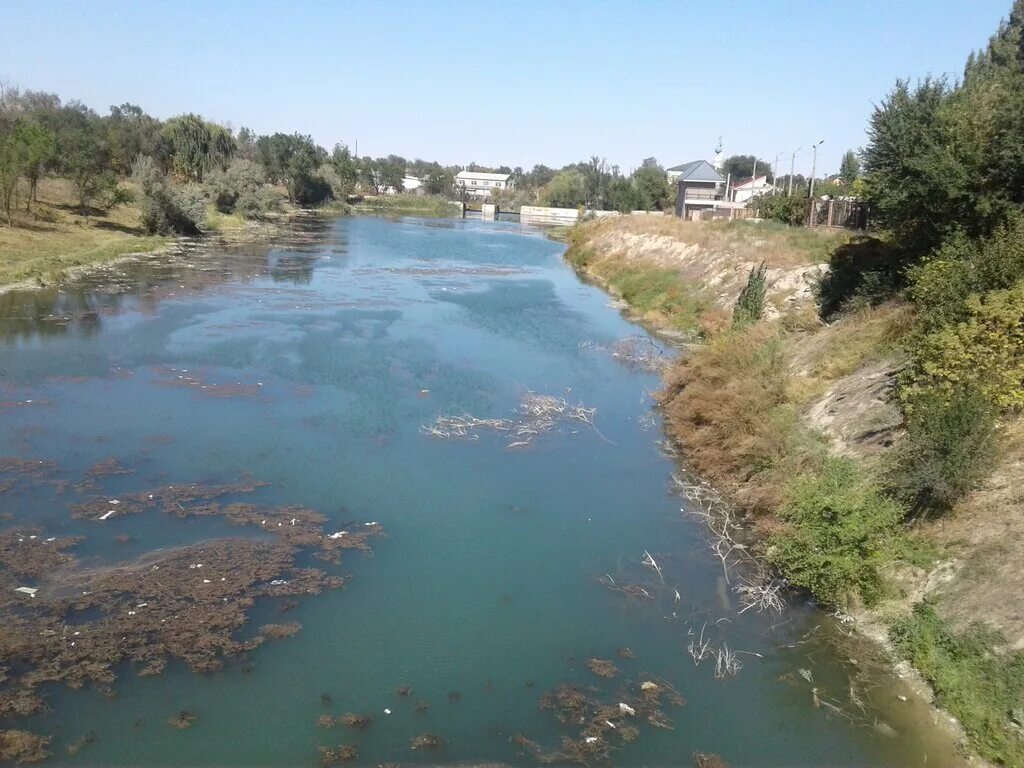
x: 182, y: 720
x: 278, y: 631
x: 602, y: 667
x: 404, y: 691
x: 425, y: 741
x: 625, y: 653
x: 707, y: 760
x: 638, y: 353
x: 80, y: 743
x: 325, y: 721
x: 342, y: 753
x: 358, y: 722
x: 421, y: 707
x: 23, y: 747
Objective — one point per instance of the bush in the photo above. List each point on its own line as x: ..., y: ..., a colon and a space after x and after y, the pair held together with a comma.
x: 750, y: 302
x: 984, y: 690
x: 865, y: 271
x: 256, y: 203
x: 839, y: 526
x: 984, y: 351
x: 243, y: 178
x: 787, y: 210
x: 165, y: 208
x: 948, y: 450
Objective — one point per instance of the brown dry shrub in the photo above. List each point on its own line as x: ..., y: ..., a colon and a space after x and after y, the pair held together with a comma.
x: 352, y: 720
x: 425, y: 741
x: 23, y: 747
x: 727, y: 404
x: 342, y: 753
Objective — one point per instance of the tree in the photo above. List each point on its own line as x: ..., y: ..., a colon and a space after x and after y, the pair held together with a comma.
x: 567, y: 189
x: 293, y: 160
x: 12, y: 163
x: 652, y: 186
x: 438, y: 181
x: 83, y: 155
x: 197, y: 146
x: 130, y: 133
x: 346, y: 167
x: 740, y: 168
x: 849, y: 168
x: 40, y: 148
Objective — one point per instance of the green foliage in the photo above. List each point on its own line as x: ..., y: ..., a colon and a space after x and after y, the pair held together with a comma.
x: 741, y: 168
x: 750, y: 303
x: 652, y: 187
x: 948, y: 451
x: 658, y: 290
x: 197, y: 146
x: 849, y: 168
x: 130, y: 133
x: 838, y: 533
x: 786, y: 210
x: 384, y: 174
x: 294, y: 160
x: 985, y: 351
x: 165, y: 208
x: 983, y: 689
x: 240, y: 188
x: 866, y: 270
x: 567, y: 189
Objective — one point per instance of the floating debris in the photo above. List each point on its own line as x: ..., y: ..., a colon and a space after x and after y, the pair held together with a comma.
x: 708, y: 760
x: 602, y: 667
x: 625, y: 653
x: 425, y: 741
x: 342, y: 753
x: 325, y: 721
x: 536, y: 414
x: 404, y: 691
x: 182, y: 720
x: 638, y: 352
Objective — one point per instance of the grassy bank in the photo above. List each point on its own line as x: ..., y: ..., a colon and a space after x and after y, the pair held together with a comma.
x: 411, y: 205
x: 56, y: 237
x: 795, y: 421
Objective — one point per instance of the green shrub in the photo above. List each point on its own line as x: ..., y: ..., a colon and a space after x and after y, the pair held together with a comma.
x: 839, y: 526
x: 750, y: 302
x: 984, y: 690
x: 948, y: 450
x: 865, y: 270
x: 242, y: 178
x: 785, y: 209
x: 985, y: 351
x: 166, y: 208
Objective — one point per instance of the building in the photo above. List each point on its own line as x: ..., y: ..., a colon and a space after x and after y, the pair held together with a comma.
x: 743, y: 193
x: 700, y: 187
x: 480, y: 184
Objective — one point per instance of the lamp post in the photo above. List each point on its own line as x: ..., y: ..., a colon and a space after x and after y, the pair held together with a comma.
x: 792, y: 164
x: 775, y: 174
x: 814, y: 165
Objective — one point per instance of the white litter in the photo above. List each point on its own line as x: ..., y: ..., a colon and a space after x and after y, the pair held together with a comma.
x: 206, y: 581
x: 338, y: 535
x: 278, y: 582
x: 627, y: 709
x: 610, y: 724
x: 52, y: 538
x: 105, y: 515
x: 30, y: 591
x: 113, y: 501
x: 590, y: 739
x: 387, y: 711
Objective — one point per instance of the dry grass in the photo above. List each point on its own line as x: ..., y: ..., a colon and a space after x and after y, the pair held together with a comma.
x: 773, y: 243
x: 56, y: 237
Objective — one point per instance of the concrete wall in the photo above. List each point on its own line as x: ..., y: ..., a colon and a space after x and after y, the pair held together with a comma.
x: 536, y: 214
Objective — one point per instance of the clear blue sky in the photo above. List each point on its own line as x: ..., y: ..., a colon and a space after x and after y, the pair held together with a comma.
x: 514, y: 83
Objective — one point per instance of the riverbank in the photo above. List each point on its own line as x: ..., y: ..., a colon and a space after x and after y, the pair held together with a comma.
x: 407, y: 205
x: 793, y: 420
x: 57, y: 242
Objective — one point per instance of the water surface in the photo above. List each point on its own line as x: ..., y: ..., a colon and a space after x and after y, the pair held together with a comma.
x: 312, y: 365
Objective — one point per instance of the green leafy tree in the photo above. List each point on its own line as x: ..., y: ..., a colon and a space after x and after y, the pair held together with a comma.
x: 130, y: 133
x: 294, y: 160
x: 346, y: 167
x: 567, y: 189
x: 652, y: 186
x: 40, y: 148
x: 740, y: 168
x: 197, y: 146
x: 849, y: 168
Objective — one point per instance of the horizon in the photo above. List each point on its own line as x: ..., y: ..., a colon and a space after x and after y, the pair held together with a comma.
x: 419, y: 82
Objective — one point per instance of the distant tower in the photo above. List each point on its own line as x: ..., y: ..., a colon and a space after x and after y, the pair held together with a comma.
x: 718, y: 155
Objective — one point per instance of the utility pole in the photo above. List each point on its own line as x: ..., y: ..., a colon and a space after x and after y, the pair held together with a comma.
x: 792, y: 165
x: 814, y: 165
x: 775, y: 174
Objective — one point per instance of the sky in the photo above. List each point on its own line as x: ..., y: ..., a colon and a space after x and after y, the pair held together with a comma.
x: 506, y: 83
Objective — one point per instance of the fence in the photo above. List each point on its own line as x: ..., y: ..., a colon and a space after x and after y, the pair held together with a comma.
x: 843, y: 214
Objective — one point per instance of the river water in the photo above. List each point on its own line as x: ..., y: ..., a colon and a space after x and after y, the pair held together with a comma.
x: 311, y: 364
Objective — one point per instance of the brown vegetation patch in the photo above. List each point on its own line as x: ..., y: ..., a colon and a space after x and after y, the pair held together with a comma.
x: 602, y: 667
x: 279, y: 631
x: 358, y: 722
x: 425, y: 741
x: 103, y: 468
x: 342, y: 753
x: 23, y: 747
x: 182, y: 720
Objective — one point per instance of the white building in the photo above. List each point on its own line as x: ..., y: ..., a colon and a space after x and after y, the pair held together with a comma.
x: 480, y: 184
x: 742, y: 193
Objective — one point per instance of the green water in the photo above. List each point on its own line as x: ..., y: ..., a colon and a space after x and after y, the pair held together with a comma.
x: 351, y: 336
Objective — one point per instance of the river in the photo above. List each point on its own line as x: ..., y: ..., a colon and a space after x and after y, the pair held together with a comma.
x: 312, y: 365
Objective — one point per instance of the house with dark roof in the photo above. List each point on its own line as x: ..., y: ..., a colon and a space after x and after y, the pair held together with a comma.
x: 700, y: 186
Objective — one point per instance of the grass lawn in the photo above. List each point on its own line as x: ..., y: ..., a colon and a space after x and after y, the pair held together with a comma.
x: 43, y: 245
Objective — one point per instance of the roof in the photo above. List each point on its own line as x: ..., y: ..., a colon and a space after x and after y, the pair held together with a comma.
x: 751, y: 182
x: 476, y: 175
x: 698, y: 170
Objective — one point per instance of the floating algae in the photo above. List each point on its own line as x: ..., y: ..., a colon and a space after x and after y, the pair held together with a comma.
x: 23, y: 747
x: 342, y: 753
x: 182, y: 720
x: 425, y: 741
x: 76, y: 624
x: 602, y: 667
x: 325, y: 721
x: 357, y: 722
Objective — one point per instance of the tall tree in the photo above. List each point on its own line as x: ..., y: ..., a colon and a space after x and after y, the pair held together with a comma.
x: 740, y: 168
x: 849, y: 168
x: 197, y: 146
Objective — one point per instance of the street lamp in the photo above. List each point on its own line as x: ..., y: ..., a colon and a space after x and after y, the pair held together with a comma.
x: 792, y: 161
x: 814, y: 165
